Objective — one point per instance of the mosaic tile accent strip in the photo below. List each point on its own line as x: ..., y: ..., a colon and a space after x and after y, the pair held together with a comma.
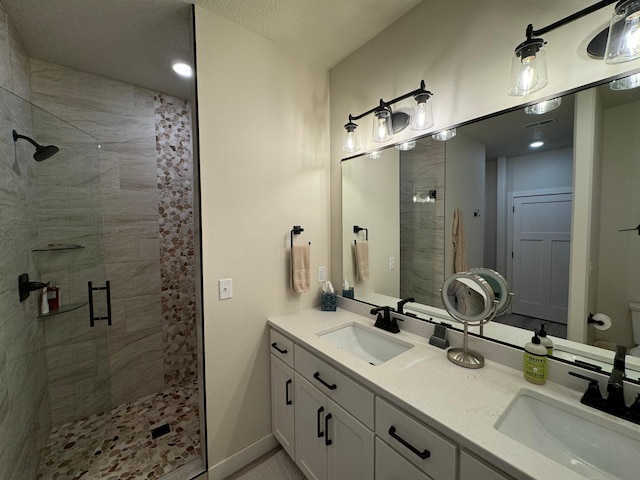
x: 118, y: 444
x: 175, y: 185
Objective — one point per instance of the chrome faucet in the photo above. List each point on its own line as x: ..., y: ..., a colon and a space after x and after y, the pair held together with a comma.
x: 385, y: 320
x: 614, y: 403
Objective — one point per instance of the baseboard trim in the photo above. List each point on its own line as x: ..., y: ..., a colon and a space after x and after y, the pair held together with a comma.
x: 244, y: 457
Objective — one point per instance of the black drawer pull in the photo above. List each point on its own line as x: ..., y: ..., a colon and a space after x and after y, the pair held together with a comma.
x: 327, y: 442
x: 330, y: 387
x: 320, y: 432
x: 275, y: 345
x: 286, y: 391
x: 423, y: 455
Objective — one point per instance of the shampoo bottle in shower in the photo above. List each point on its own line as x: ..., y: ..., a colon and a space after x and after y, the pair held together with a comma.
x: 535, y: 361
x: 52, y: 296
x: 44, y: 301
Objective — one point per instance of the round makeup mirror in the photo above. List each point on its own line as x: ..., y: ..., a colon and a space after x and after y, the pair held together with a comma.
x: 498, y: 284
x: 470, y: 300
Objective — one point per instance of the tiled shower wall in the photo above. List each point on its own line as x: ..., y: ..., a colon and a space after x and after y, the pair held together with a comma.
x: 422, y: 224
x: 123, y: 118
x: 24, y: 400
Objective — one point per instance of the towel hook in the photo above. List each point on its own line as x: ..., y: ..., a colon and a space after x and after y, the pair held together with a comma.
x: 357, y: 229
x: 296, y: 230
x: 630, y: 229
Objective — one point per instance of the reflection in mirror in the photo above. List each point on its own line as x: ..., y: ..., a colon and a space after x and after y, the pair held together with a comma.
x: 517, y: 202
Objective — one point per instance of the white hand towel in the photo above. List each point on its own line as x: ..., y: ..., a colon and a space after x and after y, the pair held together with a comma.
x: 362, y: 259
x: 300, y: 268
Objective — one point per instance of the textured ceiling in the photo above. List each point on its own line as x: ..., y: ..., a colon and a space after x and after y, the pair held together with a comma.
x: 135, y: 41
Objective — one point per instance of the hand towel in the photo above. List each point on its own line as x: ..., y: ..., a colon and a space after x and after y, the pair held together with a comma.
x: 459, y: 262
x: 300, y: 268
x: 362, y: 259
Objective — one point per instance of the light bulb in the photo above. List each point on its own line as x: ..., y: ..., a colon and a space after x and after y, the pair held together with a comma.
x: 350, y: 138
x: 182, y: 69
x: 528, y: 68
x: 422, y: 114
x: 382, y: 128
x: 623, y: 43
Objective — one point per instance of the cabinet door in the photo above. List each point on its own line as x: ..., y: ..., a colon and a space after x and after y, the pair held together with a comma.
x: 390, y: 465
x: 282, y: 405
x: 473, y: 469
x: 350, y: 449
x: 311, y: 452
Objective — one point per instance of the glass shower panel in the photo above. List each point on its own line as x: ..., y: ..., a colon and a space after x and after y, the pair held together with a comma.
x: 55, y: 363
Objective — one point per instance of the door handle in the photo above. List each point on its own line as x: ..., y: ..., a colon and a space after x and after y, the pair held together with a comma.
x: 286, y: 391
x: 330, y: 387
x: 327, y: 442
x: 275, y: 345
x: 318, y: 413
x: 423, y: 455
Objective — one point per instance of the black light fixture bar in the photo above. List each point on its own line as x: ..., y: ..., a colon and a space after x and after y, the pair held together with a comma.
x: 575, y: 16
x: 383, y: 104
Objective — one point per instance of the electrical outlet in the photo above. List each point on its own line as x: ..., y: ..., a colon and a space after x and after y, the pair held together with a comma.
x: 322, y: 274
x: 225, y: 288
x: 392, y: 263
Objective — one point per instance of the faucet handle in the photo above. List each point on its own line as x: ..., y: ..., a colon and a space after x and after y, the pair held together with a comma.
x: 592, y: 396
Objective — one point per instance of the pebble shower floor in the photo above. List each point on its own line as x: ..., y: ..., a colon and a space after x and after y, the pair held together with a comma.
x: 118, y: 444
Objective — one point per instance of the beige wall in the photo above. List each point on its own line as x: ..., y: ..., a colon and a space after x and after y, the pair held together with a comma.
x: 464, y: 59
x: 264, y: 163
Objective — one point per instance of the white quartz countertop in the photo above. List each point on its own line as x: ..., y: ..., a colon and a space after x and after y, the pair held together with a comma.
x: 462, y: 404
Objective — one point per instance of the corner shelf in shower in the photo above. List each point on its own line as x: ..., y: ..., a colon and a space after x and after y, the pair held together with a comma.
x: 63, y: 309
x: 52, y: 247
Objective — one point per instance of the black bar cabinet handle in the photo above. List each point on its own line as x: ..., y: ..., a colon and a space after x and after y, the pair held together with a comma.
x: 423, y: 455
x: 91, y: 321
x: 318, y: 414
x: 286, y: 391
x: 330, y: 387
x: 327, y: 442
x: 275, y: 345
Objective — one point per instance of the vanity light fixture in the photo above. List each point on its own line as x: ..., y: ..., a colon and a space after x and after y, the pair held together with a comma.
x: 626, y: 83
x: 444, y: 135
x: 386, y: 123
x: 543, y: 107
x: 529, y: 69
x: 406, y: 146
x: 375, y: 154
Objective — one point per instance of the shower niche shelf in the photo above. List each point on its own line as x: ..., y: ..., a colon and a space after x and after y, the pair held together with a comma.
x: 52, y: 247
x: 63, y: 309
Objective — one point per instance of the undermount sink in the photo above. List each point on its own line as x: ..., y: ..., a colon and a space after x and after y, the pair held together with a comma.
x: 367, y: 344
x: 591, y: 445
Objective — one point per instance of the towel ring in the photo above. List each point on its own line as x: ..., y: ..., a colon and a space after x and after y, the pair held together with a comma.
x: 357, y: 229
x: 296, y: 230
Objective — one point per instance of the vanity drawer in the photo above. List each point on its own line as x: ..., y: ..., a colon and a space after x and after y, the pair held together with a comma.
x: 352, y: 396
x: 390, y: 465
x: 281, y: 347
x: 414, y: 440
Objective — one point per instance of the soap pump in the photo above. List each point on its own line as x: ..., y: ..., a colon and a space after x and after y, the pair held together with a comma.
x: 535, y: 361
x: 545, y: 341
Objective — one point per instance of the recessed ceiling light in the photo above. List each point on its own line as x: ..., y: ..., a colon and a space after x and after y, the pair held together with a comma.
x: 537, y: 144
x: 182, y: 69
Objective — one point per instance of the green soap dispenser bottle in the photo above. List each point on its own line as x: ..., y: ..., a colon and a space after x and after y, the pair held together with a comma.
x: 535, y: 361
x: 545, y: 341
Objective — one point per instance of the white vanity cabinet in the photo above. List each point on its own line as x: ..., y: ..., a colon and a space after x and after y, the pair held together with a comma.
x: 473, y: 469
x: 282, y: 391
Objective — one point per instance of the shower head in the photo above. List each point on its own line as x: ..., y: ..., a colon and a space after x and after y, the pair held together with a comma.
x: 42, y: 151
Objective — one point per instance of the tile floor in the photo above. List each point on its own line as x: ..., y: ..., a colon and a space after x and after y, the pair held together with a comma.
x: 274, y: 465
x: 118, y: 445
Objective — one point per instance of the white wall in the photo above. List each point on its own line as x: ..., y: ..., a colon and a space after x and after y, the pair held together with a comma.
x: 371, y: 193
x: 465, y: 60
x: 264, y: 163
x: 544, y: 170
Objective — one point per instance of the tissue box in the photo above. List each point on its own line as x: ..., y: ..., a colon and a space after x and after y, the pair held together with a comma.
x: 328, y: 302
x: 348, y: 293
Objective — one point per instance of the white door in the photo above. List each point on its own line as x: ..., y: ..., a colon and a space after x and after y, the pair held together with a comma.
x: 282, y: 406
x: 311, y: 413
x: 541, y: 248
x: 350, y: 449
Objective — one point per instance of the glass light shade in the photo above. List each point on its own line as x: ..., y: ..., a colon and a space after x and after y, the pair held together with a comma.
x: 382, y: 128
x: 623, y: 44
x: 350, y: 142
x: 444, y: 135
x: 403, y: 147
x: 375, y: 155
x: 626, y: 83
x: 543, y: 107
x: 528, y: 72
x: 422, y: 113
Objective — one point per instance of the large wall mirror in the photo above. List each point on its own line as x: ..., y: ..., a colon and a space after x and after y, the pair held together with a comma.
x: 505, y: 189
